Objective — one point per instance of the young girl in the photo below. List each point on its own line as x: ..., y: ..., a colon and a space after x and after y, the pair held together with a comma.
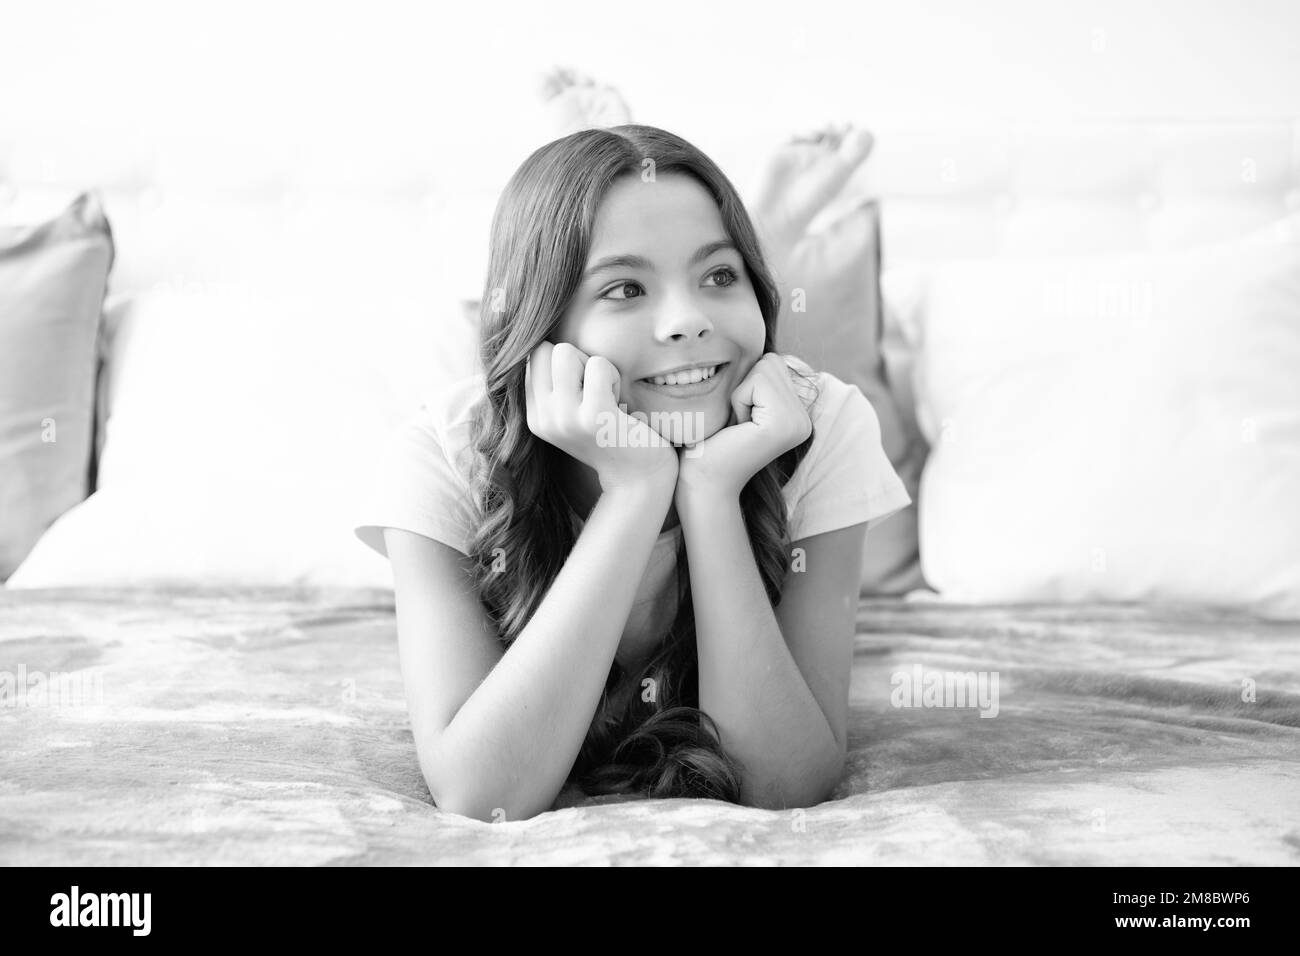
x: 626, y: 554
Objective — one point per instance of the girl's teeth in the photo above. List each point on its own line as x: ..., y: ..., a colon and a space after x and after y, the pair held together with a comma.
x: 689, y: 377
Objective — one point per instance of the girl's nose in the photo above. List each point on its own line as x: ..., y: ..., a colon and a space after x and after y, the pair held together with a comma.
x: 682, y: 319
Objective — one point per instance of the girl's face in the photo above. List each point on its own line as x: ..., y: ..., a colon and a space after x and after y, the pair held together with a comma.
x: 664, y: 290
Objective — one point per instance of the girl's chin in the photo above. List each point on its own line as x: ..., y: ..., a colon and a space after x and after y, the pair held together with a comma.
x: 686, y: 423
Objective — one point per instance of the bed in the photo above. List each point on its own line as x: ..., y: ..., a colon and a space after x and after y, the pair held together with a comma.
x: 240, y: 726
x: 227, y: 647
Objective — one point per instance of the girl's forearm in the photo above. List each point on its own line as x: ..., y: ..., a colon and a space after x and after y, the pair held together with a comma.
x: 750, y: 685
x: 512, y: 744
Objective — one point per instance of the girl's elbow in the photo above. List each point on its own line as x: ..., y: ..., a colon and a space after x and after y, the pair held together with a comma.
x: 817, y: 792
x: 465, y: 806
x: 485, y: 810
x: 803, y: 791
x: 493, y: 807
x: 831, y: 781
x: 457, y: 789
x: 449, y: 799
x: 453, y: 793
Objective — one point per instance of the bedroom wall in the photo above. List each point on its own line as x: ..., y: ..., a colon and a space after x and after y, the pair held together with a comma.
x: 355, y: 79
x: 191, y: 119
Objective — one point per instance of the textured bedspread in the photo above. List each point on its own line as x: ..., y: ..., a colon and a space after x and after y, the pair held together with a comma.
x: 269, y: 727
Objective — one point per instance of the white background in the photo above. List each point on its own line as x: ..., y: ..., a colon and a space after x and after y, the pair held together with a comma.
x: 438, y: 79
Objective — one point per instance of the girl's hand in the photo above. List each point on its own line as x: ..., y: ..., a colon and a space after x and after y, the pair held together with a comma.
x: 770, y: 420
x: 570, y: 400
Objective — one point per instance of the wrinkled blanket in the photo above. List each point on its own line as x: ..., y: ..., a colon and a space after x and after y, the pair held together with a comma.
x: 194, y: 727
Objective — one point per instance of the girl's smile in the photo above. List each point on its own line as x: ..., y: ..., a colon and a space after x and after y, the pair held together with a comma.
x: 689, y: 383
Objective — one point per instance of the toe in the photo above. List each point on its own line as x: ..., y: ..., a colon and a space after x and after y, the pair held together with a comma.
x: 856, y: 146
x: 552, y: 83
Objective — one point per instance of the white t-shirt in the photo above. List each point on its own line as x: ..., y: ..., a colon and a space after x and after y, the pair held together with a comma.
x: 421, y: 484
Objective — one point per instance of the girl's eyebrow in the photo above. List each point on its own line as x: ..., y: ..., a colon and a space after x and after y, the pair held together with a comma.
x: 640, y: 262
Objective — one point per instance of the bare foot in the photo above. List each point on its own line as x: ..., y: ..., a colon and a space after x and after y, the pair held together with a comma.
x: 801, y: 177
x: 575, y: 102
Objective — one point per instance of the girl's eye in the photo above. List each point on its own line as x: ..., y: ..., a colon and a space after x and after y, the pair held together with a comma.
x: 723, y: 277
x: 622, y: 286
x: 725, y: 272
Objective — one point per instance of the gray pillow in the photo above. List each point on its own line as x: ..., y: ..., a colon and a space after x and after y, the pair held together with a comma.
x: 832, y: 317
x: 53, y: 276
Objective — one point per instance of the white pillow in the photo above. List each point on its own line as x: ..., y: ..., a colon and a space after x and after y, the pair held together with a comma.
x: 1115, y: 429
x: 244, y: 427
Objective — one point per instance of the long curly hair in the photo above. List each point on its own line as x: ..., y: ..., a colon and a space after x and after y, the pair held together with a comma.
x: 648, y: 736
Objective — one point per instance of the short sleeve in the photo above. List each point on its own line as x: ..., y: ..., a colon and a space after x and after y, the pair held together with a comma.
x: 416, y: 487
x: 846, y: 477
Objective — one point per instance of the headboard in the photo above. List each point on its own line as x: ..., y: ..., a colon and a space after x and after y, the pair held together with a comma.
x: 1020, y: 189
x: 211, y: 211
